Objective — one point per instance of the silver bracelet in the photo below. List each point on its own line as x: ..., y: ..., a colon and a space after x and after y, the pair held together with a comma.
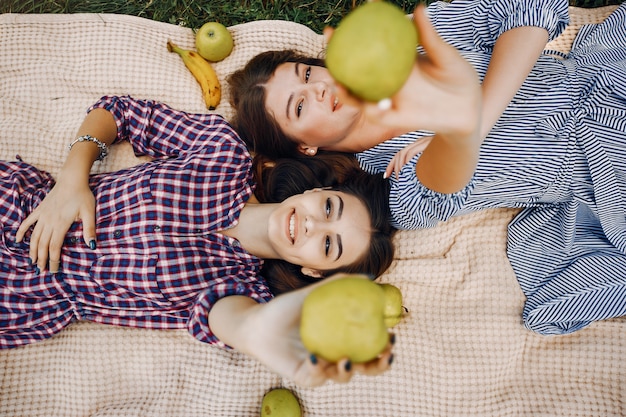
x: 104, y: 151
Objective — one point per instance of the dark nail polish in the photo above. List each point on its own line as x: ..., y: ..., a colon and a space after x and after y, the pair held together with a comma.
x: 92, y: 244
x: 348, y: 366
x: 30, y: 261
x: 392, y: 339
x: 313, y: 359
x: 390, y: 361
x: 37, y: 271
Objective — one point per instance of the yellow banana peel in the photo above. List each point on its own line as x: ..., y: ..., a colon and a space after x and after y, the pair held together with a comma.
x: 203, y: 72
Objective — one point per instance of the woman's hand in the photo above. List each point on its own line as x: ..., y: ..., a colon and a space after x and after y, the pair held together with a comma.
x: 69, y: 200
x: 442, y: 93
x: 405, y: 155
x: 271, y: 333
x: 280, y: 322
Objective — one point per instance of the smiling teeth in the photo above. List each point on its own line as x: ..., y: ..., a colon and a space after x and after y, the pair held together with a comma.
x: 292, y: 226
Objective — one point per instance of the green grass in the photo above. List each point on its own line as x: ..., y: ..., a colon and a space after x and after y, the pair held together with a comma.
x: 193, y: 13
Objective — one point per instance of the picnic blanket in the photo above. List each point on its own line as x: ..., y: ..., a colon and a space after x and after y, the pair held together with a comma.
x: 461, y: 350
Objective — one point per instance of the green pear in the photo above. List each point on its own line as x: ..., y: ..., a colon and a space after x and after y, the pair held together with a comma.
x: 393, y: 304
x: 372, y: 51
x: 280, y: 402
x: 345, y: 318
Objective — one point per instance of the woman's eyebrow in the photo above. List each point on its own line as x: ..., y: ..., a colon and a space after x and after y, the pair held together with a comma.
x: 339, y: 246
x: 290, y: 99
x: 340, y: 211
x: 339, y: 243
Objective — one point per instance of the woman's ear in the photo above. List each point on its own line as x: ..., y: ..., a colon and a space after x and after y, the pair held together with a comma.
x: 313, y: 273
x: 308, y: 150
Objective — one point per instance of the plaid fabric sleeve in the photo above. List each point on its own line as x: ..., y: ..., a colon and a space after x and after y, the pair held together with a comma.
x: 198, y: 324
x: 157, y: 130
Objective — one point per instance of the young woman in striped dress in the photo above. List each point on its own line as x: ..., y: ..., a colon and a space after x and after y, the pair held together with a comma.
x: 549, y: 137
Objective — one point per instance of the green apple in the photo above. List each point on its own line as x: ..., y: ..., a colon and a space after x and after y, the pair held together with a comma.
x: 345, y: 318
x: 214, y: 41
x: 372, y: 51
x: 280, y: 402
x: 393, y: 304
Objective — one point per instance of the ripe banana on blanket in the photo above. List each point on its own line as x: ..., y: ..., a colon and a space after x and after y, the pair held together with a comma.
x: 204, y: 73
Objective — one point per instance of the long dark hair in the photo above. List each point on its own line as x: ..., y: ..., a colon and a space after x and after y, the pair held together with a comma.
x: 253, y: 122
x: 278, y: 179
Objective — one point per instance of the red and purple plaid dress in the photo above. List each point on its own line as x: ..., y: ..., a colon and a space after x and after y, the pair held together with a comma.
x: 159, y: 262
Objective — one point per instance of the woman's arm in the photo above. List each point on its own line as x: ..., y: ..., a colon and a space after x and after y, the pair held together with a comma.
x: 514, y: 54
x: 270, y: 333
x: 448, y: 162
x: 442, y: 95
x: 70, y: 199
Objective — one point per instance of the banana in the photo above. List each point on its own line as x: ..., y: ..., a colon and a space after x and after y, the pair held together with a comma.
x: 203, y: 72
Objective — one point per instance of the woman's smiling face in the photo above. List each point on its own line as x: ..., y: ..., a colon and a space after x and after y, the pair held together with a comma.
x: 320, y: 229
x: 302, y: 100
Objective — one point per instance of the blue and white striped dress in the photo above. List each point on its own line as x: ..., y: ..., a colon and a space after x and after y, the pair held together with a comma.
x: 558, y: 152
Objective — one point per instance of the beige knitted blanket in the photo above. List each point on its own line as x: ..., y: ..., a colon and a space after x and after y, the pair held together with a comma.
x: 461, y: 351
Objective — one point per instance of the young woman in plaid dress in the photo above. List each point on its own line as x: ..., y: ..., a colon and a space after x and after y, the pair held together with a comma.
x: 178, y: 242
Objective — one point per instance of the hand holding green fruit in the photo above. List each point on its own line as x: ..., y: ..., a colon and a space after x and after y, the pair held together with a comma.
x: 345, y: 318
x: 441, y: 82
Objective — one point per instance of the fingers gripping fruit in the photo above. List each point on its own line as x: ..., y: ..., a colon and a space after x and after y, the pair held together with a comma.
x: 372, y: 51
x: 203, y: 72
x: 345, y: 318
